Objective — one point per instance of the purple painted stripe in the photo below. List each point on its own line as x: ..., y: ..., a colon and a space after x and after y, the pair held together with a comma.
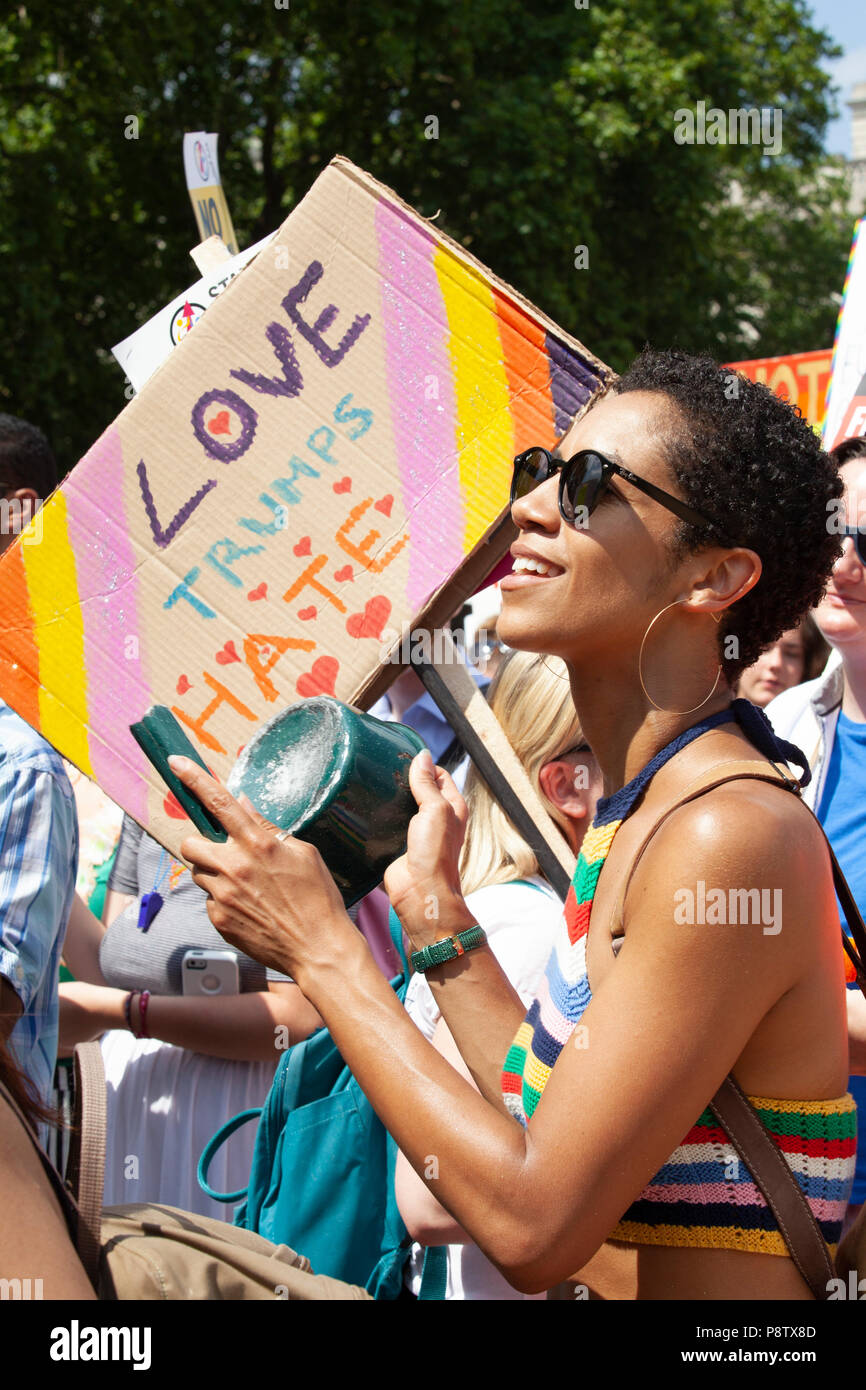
x: 572, y: 381
x: 117, y: 690
x: 424, y: 411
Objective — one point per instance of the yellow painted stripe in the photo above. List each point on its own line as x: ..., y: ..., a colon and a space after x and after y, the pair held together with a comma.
x: 58, y: 628
x: 484, y: 426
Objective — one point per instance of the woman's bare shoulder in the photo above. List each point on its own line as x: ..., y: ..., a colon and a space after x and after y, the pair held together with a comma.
x: 751, y: 816
x: 746, y: 847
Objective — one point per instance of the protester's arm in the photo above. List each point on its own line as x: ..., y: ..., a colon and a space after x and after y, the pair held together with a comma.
x: 115, y: 903
x: 856, y: 1031
x: 34, y: 1241
x: 425, y: 1218
x: 664, y: 1028
x: 10, y: 1009
x: 39, y: 834
x: 123, y: 886
x: 472, y: 993
x: 84, y: 934
x: 253, y: 1027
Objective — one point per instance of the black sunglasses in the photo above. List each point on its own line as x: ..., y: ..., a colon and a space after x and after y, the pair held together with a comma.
x: 582, y: 482
x: 859, y: 541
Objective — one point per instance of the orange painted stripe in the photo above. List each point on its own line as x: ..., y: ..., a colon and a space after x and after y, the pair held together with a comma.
x: 19, y: 655
x: 527, y: 370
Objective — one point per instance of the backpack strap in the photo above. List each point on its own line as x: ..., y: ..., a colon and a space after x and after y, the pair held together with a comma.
x: 212, y: 1148
x: 434, y: 1273
x: 396, y: 932
x: 85, y: 1169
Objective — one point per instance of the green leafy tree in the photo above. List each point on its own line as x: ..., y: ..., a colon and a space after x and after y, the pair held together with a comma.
x: 529, y: 130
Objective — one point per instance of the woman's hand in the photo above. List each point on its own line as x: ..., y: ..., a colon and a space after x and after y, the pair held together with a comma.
x: 86, y: 1012
x: 424, y: 884
x: 273, y: 899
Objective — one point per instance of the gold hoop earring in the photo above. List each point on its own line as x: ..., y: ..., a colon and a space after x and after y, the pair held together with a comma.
x: 554, y: 673
x: 662, y: 708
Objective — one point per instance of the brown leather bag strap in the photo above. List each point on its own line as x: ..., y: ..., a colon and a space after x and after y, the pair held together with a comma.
x: 85, y: 1170
x: 783, y: 1194
x: 731, y: 1107
x: 736, y: 768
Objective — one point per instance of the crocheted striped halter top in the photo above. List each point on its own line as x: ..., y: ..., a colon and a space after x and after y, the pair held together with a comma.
x: 699, y: 1198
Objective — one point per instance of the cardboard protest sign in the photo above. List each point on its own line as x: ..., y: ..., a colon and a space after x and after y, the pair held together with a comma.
x: 202, y: 170
x: 328, y: 451
x: 801, y: 378
x: 846, y: 405
x: 147, y: 348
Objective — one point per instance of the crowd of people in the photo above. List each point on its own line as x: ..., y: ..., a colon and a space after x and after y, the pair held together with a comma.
x: 559, y: 1068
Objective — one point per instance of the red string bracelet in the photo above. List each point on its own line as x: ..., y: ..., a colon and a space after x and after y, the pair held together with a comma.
x: 143, y: 1000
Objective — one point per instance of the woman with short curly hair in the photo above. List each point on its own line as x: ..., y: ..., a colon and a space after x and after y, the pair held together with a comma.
x: 680, y: 527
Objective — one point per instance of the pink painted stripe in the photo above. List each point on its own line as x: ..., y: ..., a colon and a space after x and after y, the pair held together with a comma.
x: 418, y: 365
x: 741, y: 1194
x: 117, y: 690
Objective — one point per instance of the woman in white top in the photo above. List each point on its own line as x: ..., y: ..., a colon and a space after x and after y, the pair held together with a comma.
x: 517, y: 908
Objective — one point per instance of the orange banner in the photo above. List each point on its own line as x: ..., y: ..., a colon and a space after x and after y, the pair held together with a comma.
x: 801, y: 378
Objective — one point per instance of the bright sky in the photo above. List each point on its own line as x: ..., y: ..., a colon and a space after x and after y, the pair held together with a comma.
x: 845, y: 20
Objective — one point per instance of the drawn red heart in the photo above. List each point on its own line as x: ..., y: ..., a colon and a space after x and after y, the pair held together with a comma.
x: 173, y: 808
x: 344, y: 485
x: 183, y: 685
x: 384, y: 505
x: 345, y: 573
x: 220, y: 424
x: 227, y: 655
x: 373, y: 619
x: 321, y: 679
x: 307, y: 613
x: 303, y: 547
x: 260, y: 592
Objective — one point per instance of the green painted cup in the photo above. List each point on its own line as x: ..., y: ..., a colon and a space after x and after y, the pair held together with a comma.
x: 337, y: 778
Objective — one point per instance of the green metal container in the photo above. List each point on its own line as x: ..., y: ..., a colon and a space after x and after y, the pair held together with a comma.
x: 337, y: 778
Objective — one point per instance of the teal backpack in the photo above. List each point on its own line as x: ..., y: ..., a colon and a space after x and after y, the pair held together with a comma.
x: 322, y: 1176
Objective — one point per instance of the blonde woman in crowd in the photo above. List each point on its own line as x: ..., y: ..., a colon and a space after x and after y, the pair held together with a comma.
x: 515, y: 905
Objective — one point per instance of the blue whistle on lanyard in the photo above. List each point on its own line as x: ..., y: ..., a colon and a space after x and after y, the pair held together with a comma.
x: 148, y: 908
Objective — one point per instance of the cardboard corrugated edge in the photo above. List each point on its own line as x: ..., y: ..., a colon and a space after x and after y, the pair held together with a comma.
x: 382, y: 190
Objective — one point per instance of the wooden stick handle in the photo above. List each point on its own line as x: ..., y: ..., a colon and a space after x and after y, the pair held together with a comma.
x: 461, y: 702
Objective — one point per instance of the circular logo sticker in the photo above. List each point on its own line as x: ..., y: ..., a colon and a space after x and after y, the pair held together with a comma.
x: 199, y: 154
x: 183, y: 319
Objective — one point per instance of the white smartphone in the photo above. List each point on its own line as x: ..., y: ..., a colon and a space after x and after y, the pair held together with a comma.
x: 210, y: 973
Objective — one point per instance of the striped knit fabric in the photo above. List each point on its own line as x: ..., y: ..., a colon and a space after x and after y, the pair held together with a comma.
x: 564, y: 991
x: 704, y: 1195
